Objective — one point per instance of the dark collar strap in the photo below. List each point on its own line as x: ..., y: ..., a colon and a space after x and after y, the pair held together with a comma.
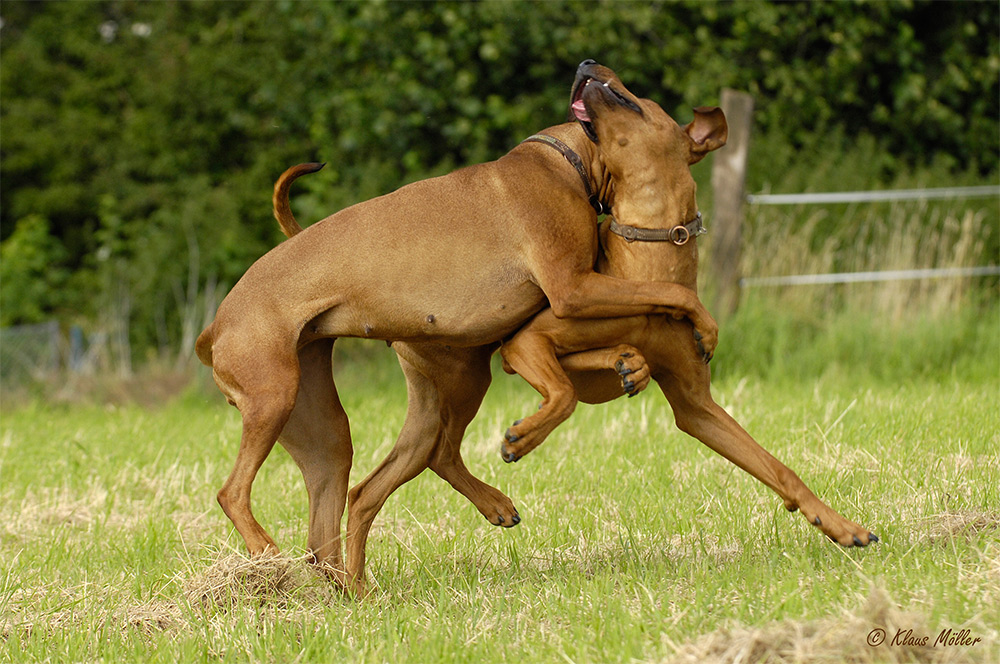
x: 574, y: 159
x: 679, y: 235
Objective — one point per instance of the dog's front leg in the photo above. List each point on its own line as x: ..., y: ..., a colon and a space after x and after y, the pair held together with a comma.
x: 593, y: 295
x: 603, y: 374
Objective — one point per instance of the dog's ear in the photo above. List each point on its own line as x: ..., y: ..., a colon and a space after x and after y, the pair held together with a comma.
x: 708, y: 131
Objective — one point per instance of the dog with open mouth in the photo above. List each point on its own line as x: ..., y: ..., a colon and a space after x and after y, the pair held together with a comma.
x: 647, y: 235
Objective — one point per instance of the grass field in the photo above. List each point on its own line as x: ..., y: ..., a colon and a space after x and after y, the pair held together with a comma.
x: 637, y: 543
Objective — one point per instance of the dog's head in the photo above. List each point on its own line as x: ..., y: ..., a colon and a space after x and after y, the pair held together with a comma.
x: 616, y: 120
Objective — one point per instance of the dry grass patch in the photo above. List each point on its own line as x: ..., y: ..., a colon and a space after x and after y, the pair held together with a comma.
x: 154, y: 616
x: 960, y: 524
x: 51, y: 610
x: 282, y: 581
x: 879, y: 632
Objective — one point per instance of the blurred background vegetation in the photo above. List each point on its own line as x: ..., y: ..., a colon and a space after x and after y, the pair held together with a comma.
x: 139, y: 141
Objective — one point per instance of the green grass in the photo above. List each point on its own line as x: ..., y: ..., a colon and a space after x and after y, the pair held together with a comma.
x: 637, y: 543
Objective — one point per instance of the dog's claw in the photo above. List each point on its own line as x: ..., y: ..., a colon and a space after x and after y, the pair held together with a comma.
x: 817, y: 522
x: 706, y: 356
x: 857, y: 541
x: 505, y: 455
x: 872, y: 537
x: 516, y: 518
x: 510, y: 436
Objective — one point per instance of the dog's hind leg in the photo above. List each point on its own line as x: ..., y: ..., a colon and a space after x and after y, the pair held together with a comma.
x: 534, y: 357
x: 684, y: 379
x: 318, y: 438
x: 263, y: 389
x: 546, y: 348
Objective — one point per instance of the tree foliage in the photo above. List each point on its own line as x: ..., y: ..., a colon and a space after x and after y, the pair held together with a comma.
x: 142, y: 139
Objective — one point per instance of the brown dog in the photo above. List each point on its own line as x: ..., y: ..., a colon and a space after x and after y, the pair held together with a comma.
x: 655, y: 241
x: 463, y: 260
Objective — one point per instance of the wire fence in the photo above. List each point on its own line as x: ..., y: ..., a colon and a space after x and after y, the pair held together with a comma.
x: 868, y: 277
x: 874, y: 196
x: 34, y: 353
x: 941, y: 193
x: 29, y: 352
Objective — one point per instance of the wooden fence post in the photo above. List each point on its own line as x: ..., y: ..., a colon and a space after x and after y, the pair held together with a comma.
x: 728, y: 180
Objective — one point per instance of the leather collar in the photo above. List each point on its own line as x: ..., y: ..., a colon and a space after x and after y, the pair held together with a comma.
x: 679, y: 235
x: 577, y: 163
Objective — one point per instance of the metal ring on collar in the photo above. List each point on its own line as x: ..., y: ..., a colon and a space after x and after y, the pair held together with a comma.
x: 679, y: 235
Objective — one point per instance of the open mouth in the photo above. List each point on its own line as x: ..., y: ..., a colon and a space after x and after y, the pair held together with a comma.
x: 579, y: 110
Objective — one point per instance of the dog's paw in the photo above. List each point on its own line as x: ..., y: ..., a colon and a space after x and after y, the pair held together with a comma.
x: 838, y: 529
x: 508, y: 521
x: 705, y: 347
x: 634, y: 371
x: 706, y: 335
x: 493, y: 504
x: 506, y: 452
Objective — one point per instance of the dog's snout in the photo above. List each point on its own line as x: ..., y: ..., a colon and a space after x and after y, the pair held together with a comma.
x: 587, y: 63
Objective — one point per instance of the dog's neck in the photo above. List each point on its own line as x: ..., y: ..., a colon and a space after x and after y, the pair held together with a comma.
x: 638, y: 201
x: 599, y: 176
x: 646, y: 201
x: 648, y: 261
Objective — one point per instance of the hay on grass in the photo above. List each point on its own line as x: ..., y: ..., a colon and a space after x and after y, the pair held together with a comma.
x: 878, y: 633
x: 964, y: 524
x: 152, y: 617
x: 278, y: 580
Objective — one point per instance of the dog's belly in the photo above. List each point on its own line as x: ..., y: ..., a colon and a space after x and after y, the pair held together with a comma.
x: 457, y: 316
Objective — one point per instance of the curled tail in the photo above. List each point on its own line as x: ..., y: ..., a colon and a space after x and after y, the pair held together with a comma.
x: 282, y: 210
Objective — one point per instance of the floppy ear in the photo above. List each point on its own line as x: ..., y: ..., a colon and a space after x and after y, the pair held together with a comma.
x: 708, y: 131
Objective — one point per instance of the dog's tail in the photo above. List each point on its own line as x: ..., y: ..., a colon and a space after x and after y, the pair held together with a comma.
x: 282, y: 210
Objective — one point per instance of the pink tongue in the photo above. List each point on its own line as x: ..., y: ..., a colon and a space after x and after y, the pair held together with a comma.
x: 580, y: 111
